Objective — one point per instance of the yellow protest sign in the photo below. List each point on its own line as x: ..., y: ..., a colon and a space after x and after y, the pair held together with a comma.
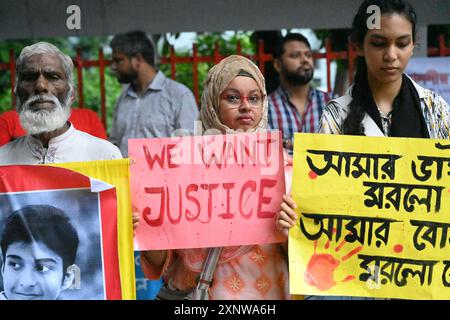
x: 373, y: 217
x: 116, y: 173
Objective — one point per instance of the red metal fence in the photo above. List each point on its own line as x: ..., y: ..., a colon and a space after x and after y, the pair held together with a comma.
x: 260, y: 58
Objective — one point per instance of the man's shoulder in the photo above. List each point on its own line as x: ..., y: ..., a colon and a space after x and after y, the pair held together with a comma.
x: 274, y: 95
x: 319, y: 90
x: 94, y: 143
x: 339, y: 105
x: 176, y: 87
x: 177, y: 95
x: 78, y: 134
x: 13, y: 152
x: 123, y: 94
x: 18, y: 142
x: 322, y: 93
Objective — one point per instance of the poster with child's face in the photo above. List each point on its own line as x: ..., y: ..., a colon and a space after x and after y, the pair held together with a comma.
x: 51, y: 238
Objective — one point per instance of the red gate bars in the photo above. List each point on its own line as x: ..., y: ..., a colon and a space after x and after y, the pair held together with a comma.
x: 260, y: 58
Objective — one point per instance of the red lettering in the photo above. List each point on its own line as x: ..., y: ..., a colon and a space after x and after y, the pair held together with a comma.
x: 245, y: 150
x: 191, y: 188
x: 169, y: 215
x: 227, y: 214
x: 229, y: 152
x: 210, y: 187
x: 265, y: 183
x: 212, y: 156
x: 193, y: 212
x: 157, y: 158
x: 148, y: 211
x: 169, y: 156
x: 265, y: 154
x: 249, y: 184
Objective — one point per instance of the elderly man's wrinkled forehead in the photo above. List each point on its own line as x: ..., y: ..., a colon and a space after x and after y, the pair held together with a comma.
x: 49, y: 62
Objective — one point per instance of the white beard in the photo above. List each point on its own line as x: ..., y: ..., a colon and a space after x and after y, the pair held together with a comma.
x: 36, y: 122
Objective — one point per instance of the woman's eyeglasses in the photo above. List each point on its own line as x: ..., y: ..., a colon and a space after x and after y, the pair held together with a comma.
x: 237, y: 100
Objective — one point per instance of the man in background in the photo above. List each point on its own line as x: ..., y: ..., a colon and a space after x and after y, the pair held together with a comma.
x: 295, y: 106
x: 151, y: 105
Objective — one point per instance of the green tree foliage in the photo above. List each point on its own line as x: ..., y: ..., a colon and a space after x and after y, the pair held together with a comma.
x: 206, y: 43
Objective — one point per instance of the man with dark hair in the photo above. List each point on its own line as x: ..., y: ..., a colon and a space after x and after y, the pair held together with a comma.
x: 39, y: 247
x: 295, y: 106
x: 151, y: 105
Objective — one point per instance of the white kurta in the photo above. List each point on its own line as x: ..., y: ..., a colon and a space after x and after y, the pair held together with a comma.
x: 71, y: 146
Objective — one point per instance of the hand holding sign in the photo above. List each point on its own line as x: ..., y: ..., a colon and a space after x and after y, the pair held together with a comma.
x: 382, y: 204
x: 286, y: 217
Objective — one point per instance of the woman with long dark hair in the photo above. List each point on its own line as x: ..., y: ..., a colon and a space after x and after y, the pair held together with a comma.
x: 384, y: 101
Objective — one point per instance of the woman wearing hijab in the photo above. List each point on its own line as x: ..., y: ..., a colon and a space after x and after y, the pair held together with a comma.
x: 233, y: 100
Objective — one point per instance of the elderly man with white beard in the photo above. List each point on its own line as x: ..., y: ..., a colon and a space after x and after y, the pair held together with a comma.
x: 45, y: 92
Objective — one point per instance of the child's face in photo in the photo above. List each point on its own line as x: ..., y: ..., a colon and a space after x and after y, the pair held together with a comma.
x: 32, y: 271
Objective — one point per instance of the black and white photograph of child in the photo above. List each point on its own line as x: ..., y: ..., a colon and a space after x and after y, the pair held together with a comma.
x: 51, y: 246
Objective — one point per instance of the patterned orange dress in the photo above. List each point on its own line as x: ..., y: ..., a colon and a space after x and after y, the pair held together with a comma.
x: 253, y: 272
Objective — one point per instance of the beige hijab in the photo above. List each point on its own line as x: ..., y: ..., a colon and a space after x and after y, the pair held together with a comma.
x: 218, y: 78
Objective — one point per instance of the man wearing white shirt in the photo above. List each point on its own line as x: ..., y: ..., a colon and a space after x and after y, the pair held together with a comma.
x: 45, y: 93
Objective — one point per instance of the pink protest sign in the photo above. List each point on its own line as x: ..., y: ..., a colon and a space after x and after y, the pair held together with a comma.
x: 207, y: 191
